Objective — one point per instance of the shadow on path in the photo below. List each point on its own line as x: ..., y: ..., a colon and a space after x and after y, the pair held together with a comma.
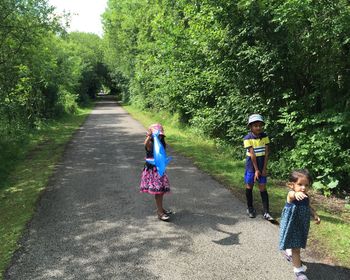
x: 92, y: 222
x: 320, y: 271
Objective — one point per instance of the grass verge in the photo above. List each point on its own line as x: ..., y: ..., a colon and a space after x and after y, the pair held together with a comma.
x: 29, y: 177
x: 331, y: 237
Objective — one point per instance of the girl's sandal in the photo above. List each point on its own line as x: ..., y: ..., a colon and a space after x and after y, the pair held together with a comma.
x: 163, y: 217
x: 167, y: 212
x: 287, y: 257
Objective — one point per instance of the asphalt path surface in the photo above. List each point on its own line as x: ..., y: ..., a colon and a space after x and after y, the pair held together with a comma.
x: 92, y: 222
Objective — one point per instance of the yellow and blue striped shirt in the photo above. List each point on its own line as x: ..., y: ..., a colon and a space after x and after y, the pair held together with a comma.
x: 258, y: 143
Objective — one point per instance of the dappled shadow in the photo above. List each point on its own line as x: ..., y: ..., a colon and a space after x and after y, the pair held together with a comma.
x: 92, y: 222
x: 199, y: 222
x: 86, y: 211
x: 320, y: 271
x: 231, y: 239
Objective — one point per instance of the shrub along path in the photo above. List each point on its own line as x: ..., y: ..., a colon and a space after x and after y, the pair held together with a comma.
x: 92, y: 223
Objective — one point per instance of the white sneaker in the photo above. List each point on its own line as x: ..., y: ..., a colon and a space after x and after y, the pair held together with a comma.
x: 268, y: 217
x: 301, y: 276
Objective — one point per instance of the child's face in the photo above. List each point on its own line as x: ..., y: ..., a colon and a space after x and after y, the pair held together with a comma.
x: 301, y: 185
x: 257, y: 127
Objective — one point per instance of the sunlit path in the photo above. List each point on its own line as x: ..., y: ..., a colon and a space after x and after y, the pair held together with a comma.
x: 92, y: 223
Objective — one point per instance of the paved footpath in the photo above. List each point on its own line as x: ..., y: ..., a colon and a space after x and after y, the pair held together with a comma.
x: 92, y: 223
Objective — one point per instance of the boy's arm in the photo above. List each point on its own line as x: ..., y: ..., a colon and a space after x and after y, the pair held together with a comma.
x: 255, y: 164
x: 264, y: 171
x: 314, y: 215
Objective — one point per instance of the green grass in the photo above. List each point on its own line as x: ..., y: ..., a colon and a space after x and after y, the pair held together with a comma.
x: 29, y: 177
x: 331, y: 237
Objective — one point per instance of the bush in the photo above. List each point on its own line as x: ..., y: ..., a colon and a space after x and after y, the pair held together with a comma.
x: 67, y: 102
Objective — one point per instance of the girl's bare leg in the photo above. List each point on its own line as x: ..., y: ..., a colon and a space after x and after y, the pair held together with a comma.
x: 296, y: 257
x: 159, y: 203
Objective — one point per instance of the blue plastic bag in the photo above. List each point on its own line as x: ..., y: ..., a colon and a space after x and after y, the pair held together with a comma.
x: 160, y: 159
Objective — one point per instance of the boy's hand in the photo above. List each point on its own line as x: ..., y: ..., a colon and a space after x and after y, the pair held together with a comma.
x: 264, y: 173
x: 299, y: 195
x: 257, y: 175
x: 317, y: 220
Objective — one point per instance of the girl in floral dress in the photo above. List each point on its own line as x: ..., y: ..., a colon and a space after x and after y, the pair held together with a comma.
x: 151, y: 181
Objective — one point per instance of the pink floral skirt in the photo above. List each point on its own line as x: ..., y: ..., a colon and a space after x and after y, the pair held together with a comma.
x: 153, y: 183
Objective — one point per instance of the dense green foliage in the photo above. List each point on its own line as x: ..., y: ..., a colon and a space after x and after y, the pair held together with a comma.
x: 215, y: 62
x: 44, y: 72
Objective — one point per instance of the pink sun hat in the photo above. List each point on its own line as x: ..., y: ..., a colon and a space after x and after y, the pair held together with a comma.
x: 157, y: 127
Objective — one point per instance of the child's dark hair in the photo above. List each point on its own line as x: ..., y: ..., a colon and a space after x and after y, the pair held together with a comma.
x: 161, y: 139
x: 297, y: 173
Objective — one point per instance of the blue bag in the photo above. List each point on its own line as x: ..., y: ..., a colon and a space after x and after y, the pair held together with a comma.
x: 160, y: 159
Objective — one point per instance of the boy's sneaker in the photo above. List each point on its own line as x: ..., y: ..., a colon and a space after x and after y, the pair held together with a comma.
x: 268, y: 217
x: 301, y: 276
x: 251, y: 212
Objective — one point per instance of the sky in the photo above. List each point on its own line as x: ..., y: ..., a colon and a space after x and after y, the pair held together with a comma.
x: 85, y: 14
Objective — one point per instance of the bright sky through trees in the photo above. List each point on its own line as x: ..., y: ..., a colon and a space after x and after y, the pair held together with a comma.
x: 85, y: 14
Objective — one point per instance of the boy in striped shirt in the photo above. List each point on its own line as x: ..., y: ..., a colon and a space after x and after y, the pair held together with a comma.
x: 256, y: 142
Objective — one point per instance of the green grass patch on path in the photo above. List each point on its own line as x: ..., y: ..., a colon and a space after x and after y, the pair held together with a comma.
x: 330, y: 240
x: 29, y: 177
